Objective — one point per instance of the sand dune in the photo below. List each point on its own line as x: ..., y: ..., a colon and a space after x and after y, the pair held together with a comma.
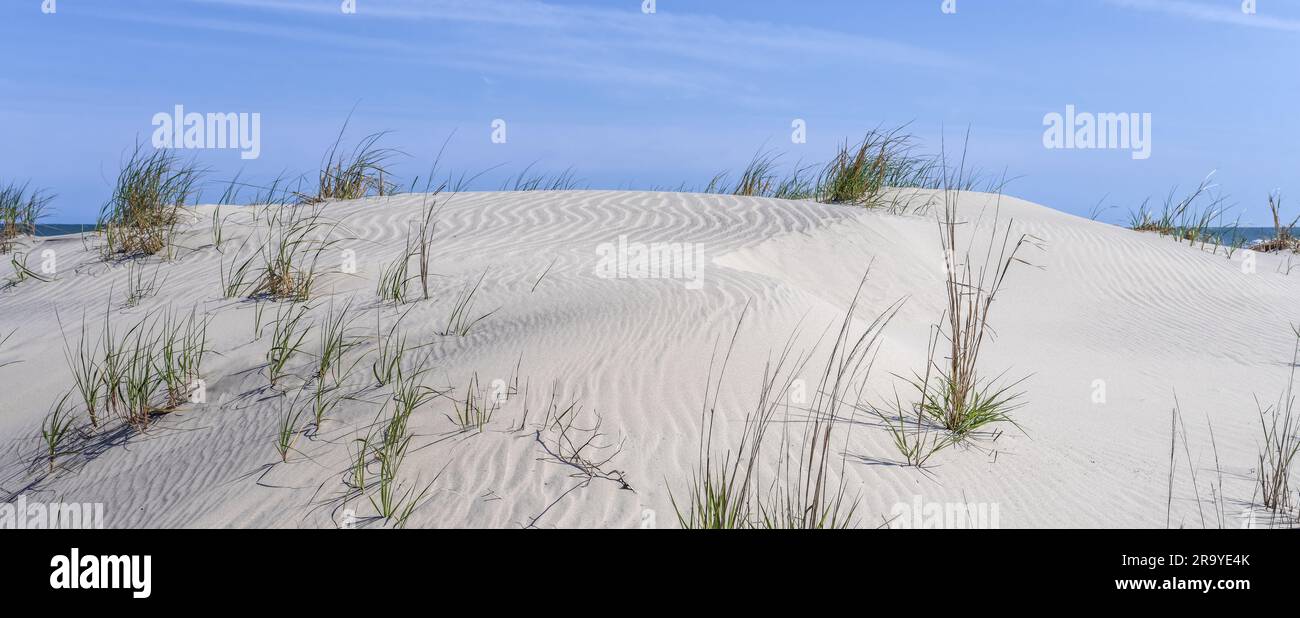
x: 1146, y: 315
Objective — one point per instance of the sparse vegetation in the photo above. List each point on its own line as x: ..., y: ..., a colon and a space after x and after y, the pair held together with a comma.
x: 726, y: 491
x: 1284, y: 233
x: 151, y: 190
x: 953, y: 392
x: 20, y: 209
x: 1281, y: 443
x: 287, y: 429
x: 869, y: 173
x: 1197, y: 217
x: 138, y: 287
x: 298, y: 235
x: 55, y: 430
x: 394, y: 279
x: 183, y: 348
x: 286, y: 339
x: 390, y: 349
x: 391, y: 499
x: 910, y: 425
x: 18, y: 261
x: 476, y: 409
x: 356, y: 174
x: 461, y: 320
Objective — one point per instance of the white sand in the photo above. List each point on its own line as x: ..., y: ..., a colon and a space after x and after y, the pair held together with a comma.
x: 1147, y: 315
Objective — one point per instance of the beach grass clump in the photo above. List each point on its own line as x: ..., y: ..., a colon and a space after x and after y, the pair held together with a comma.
x: 386, y: 448
x: 297, y: 237
x: 726, y: 490
x: 910, y: 427
x: 528, y: 181
x: 390, y: 348
x: 883, y: 159
x: 759, y: 177
x: 151, y: 189
x: 56, y: 429
x: 476, y: 409
x: 1280, y: 445
x: 462, y: 318
x: 20, y: 209
x: 395, y: 278
x: 1283, y: 232
x: 287, y: 339
x: 354, y: 174
x: 287, y: 429
x: 235, y: 276
x: 952, y: 390
x: 1196, y: 217
x: 84, y: 362
x: 428, y: 224
x: 153, y: 368
x: 335, y: 342
x: 865, y: 173
x: 142, y: 377
x: 183, y: 346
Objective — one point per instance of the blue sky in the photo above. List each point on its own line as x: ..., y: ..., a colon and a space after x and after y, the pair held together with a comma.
x: 629, y: 99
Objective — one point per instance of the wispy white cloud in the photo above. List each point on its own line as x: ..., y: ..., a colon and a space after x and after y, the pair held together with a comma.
x: 1222, y: 12
x: 691, y: 52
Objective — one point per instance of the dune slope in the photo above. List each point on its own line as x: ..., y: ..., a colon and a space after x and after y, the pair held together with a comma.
x: 1102, y: 308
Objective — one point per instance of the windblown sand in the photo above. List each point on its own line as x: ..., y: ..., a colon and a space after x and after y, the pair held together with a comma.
x: 1141, y: 316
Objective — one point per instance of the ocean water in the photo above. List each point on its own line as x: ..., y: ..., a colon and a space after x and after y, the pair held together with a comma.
x: 1248, y: 235
x: 59, y: 229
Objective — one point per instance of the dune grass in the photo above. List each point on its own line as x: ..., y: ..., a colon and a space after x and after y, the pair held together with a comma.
x: 151, y: 189
x: 138, y: 285
x: 56, y: 429
x: 235, y: 276
x: 21, y: 207
x: 18, y: 262
x: 335, y: 341
x: 354, y: 174
x: 297, y: 237
x: 1283, y: 232
x: 149, y: 369
x: 428, y: 224
x: 868, y: 173
x: 1280, y: 430
x: 726, y: 491
x: 526, y: 180
x: 1193, y: 218
x: 287, y: 337
x: 391, y: 499
x: 910, y: 425
x: 461, y: 320
x: 390, y: 349
x: 1177, y: 433
x: 952, y: 390
x: 476, y: 409
x: 287, y: 429
x: 395, y: 278
x: 183, y: 346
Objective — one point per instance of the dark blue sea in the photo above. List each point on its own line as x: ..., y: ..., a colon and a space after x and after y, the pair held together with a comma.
x: 59, y: 229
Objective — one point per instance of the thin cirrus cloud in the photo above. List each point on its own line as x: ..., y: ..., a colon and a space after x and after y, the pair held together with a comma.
x: 1228, y: 12
x: 694, y: 52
